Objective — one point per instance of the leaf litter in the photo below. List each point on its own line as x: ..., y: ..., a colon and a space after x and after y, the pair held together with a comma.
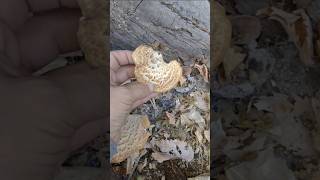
x: 266, y: 104
x: 180, y: 130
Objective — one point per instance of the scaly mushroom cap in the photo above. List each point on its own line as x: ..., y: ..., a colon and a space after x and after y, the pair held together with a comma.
x: 133, y: 137
x: 150, y: 68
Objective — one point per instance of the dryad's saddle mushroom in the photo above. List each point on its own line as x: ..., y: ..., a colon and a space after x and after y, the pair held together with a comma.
x: 150, y: 68
x: 133, y: 137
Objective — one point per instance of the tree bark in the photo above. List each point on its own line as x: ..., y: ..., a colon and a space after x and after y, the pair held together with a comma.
x: 182, y: 26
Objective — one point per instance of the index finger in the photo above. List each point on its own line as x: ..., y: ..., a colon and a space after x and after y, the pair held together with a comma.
x: 120, y: 58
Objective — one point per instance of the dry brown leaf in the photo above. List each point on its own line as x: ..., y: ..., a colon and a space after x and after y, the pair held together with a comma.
x: 203, y: 70
x: 185, y: 120
x: 278, y: 103
x: 133, y: 137
x: 222, y: 32
x: 152, y: 166
x: 303, y: 108
x: 202, y: 177
x: 186, y: 70
x: 207, y: 135
x: 182, y: 81
x: 298, y: 26
x: 176, y: 148
x: 171, y: 118
x: 142, y: 165
x: 131, y: 161
x: 302, y: 3
x: 231, y: 60
x: 201, y: 100
x: 161, y: 157
x: 316, y: 176
x: 245, y: 28
x: 196, y: 117
x: 199, y: 135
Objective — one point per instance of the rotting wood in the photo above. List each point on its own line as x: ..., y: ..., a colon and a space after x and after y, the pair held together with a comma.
x: 182, y: 26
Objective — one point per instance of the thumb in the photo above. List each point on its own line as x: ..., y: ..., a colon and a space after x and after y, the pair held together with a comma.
x: 138, y: 91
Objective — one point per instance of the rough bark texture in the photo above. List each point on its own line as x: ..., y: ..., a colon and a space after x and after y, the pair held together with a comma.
x: 182, y: 26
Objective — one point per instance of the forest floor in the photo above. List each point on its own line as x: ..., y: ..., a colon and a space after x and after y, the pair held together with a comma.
x: 179, y: 147
x: 266, y: 121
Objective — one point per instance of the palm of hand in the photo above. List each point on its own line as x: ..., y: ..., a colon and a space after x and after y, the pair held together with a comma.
x: 123, y: 99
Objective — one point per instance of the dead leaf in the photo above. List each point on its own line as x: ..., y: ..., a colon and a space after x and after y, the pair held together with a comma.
x: 231, y: 60
x: 203, y: 70
x: 302, y: 3
x: 166, y: 135
x: 298, y: 26
x: 198, y: 135
x: 303, y: 108
x: 171, y: 118
x: 207, y: 135
x: 287, y: 130
x: 176, y: 148
x: 182, y: 81
x: 201, y: 100
x: 246, y: 29
x: 131, y: 161
x: 185, y: 120
x: 152, y: 166
x: 186, y: 70
x: 231, y: 91
x: 161, y: 157
x: 260, y: 63
x: 278, y: 103
x: 200, y: 178
x: 196, y: 117
x: 142, y: 165
x: 316, y: 176
x: 256, y: 169
x: 222, y: 33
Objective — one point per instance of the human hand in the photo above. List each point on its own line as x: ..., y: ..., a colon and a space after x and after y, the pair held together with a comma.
x: 42, y: 119
x: 125, y: 98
